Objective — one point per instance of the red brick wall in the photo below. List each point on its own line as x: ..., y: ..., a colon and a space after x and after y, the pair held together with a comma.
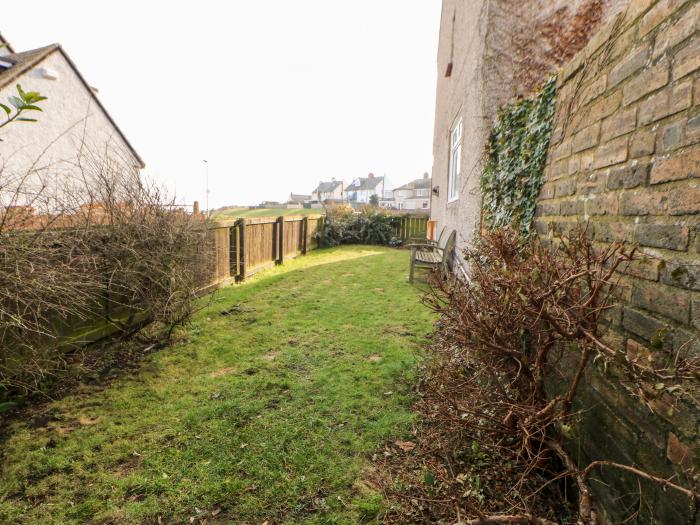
x: 625, y: 158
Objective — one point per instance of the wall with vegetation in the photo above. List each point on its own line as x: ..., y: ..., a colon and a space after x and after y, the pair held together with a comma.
x: 489, y: 52
x: 625, y: 158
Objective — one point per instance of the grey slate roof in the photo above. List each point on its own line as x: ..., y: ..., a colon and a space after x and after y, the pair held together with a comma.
x: 6, y: 47
x: 365, y: 183
x: 418, y: 184
x: 23, y: 62
x: 327, y: 187
x: 295, y: 197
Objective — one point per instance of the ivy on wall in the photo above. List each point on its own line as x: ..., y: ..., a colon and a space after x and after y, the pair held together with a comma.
x: 515, y: 158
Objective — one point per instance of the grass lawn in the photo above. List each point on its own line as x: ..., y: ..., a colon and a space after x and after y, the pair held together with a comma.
x: 265, y: 212
x: 269, y: 408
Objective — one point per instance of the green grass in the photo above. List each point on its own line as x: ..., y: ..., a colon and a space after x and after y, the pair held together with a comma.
x: 269, y: 413
x: 264, y: 212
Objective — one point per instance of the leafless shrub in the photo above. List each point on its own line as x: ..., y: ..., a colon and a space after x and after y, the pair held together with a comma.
x: 99, y: 248
x: 490, y: 443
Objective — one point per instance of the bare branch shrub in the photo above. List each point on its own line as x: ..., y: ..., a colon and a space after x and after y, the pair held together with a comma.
x: 490, y: 445
x: 101, y: 248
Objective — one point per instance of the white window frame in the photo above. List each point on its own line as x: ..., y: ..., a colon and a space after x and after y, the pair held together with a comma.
x: 455, y: 161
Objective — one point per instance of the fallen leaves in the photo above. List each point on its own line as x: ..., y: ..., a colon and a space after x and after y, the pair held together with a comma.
x: 406, y: 446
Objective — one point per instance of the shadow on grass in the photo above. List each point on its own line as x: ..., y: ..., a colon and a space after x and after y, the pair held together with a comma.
x: 267, y: 409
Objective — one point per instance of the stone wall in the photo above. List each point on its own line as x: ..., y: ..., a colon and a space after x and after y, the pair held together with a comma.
x: 625, y: 159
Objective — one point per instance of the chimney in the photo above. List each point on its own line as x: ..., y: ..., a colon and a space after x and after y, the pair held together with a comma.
x: 370, y: 176
x: 425, y: 175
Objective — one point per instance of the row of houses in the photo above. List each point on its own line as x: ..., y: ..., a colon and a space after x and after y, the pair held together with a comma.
x: 414, y: 195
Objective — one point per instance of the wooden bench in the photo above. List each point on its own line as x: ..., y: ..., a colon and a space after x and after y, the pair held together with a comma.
x: 439, y: 239
x: 426, y: 255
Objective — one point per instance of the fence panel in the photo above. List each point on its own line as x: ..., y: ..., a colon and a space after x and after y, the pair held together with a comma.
x: 221, y: 267
x: 259, y: 249
x: 293, y: 242
x: 246, y: 246
x: 314, y: 225
x: 412, y: 227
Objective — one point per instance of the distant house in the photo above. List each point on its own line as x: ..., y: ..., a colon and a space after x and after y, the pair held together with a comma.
x: 362, y: 189
x: 297, y: 201
x: 271, y: 205
x: 389, y: 204
x: 415, y: 195
x: 328, y: 191
x: 74, y: 124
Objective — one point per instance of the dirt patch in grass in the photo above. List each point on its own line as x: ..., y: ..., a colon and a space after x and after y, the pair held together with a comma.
x: 223, y: 371
x: 93, y: 367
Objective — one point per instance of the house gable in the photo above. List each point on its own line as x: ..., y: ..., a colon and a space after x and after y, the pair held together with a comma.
x: 50, y: 71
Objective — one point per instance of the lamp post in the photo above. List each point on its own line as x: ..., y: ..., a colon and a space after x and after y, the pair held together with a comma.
x: 206, y: 176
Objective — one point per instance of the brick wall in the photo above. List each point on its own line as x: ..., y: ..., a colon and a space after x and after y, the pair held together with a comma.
x: 625, y: 158
x: 495, y: 49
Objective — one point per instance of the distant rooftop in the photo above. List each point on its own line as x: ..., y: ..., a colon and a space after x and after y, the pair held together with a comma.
x: 295, y: 197
x: 418, y: 184
x: 365, y: 183
x: 327, y: 187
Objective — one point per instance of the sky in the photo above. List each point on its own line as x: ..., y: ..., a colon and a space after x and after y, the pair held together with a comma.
x: 276, y: 95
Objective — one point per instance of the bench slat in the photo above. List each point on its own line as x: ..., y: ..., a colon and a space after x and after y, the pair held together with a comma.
x: 428, y: 257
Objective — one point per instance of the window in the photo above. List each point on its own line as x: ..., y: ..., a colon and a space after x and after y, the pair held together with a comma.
x: 422, y: 193
x: 455, y: 161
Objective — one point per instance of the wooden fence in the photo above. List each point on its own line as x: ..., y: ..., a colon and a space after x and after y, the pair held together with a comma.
x: 412, y: 227
x: 246, y: 246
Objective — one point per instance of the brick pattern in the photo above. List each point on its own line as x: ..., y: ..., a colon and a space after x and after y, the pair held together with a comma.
x: 625, y: 158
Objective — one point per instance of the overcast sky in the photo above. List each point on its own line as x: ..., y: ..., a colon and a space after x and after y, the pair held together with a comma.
x: 276, y: 95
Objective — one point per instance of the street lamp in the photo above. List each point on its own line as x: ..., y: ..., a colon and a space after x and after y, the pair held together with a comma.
x: 206, y: 175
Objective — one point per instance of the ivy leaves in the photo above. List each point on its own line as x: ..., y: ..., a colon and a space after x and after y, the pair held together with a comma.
x: 515, y: 158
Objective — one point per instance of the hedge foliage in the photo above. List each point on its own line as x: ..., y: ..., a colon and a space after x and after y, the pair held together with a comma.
x: 515, y: 158
x: 371, y: 226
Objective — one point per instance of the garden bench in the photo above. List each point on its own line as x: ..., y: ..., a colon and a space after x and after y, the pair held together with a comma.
x: 429, y: 255
x: 439, y: 239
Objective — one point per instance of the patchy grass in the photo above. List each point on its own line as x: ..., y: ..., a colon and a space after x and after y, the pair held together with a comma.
x: 265, y: 212
x: 268, y: 409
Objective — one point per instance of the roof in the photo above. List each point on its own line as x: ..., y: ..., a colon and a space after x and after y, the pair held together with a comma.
x: 418, y: 184
x: 295, y: 197
x: 327, y: 187
x: 26, y: 60
x: 5, y: 47
x: 365, y: 183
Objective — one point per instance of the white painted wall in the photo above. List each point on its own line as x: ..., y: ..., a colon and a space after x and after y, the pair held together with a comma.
x: 71, y: 130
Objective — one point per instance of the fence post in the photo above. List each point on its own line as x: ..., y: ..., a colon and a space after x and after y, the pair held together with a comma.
x: 241, y: 255
x: 275, y: 241
x: 319, y: 228
x: 233, y: 250
x: 305, y: 233
x: 280, y: 240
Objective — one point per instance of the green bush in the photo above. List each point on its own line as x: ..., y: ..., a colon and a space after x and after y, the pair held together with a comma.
x: 371, y: 226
